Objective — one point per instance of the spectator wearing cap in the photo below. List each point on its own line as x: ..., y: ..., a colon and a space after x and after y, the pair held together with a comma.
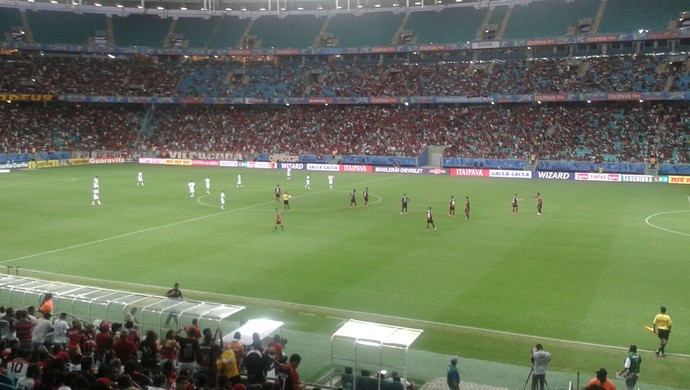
x: 453, y: 375
x: 631, y: 367
x: 601, y: 380
x: 103, y: 339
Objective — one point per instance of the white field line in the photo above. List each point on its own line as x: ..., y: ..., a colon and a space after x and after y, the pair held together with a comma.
x: 48, y: 183
x: 154, y: 228
x: 305, y: 309
x: 345, y: 313
x: 648, y: 219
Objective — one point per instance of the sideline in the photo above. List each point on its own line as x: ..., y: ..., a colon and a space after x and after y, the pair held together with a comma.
x: 48, y: 183
x: 335, y: 313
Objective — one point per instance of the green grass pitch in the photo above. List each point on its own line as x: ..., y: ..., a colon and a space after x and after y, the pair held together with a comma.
x: 582, y: 279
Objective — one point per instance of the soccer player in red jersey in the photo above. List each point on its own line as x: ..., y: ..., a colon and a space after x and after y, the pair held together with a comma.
x: 279, y: 221
x: 429, y: 219
x: 467, y: 207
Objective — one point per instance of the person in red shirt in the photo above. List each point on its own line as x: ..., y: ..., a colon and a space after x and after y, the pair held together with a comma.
x: 169, y: 348
x: 279, y: 221
x: 195, y: 326
x: 86, y: 342
x: 124, y: 348
x: 24, y: 328
x: 288, y: 375
x: 74, y: 337
x: 103, y: 339
x: 467, y: 207
x: 277, y: 345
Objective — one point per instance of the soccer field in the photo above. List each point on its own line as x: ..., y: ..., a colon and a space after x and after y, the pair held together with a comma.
x: 583, y: 278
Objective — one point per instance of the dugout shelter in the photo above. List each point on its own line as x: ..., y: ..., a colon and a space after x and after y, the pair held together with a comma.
x: 94, y: 304
x: 364, y: 349
x: 264, y: 327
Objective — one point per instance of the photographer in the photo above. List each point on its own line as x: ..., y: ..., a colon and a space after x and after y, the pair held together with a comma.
x: 540, y: 361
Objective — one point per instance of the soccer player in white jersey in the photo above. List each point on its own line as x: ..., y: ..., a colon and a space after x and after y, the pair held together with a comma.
x: 289, y: 172
x: 239, y: 181
x: 140, y: 179
x: 96, y: 197
x: 308, y: 183
x: 207, y: 182
x: 330, y: 182
x: 95, y: 183
x: 192, y: 187
x: 222, y: 200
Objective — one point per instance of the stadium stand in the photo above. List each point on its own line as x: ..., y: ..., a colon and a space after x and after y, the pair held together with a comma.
x: 295, y: 31
x: 9, y: 18
x: 197, y: 32
x: 140, y: 30
x: 634, y: 15
x: 547, y: 18
x: 369, y: 29
x: 49, y: 27
x: 228, y: 32
x: 462, y: 25
x: 496, y: 17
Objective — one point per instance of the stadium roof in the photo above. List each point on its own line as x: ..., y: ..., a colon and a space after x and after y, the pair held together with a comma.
x: 246, y: 8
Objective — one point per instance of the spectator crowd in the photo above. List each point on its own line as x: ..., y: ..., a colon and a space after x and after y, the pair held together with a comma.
x: 555, y: 131
x: 166, y: 77
x: 67, y: 353
x: 612, y: 131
